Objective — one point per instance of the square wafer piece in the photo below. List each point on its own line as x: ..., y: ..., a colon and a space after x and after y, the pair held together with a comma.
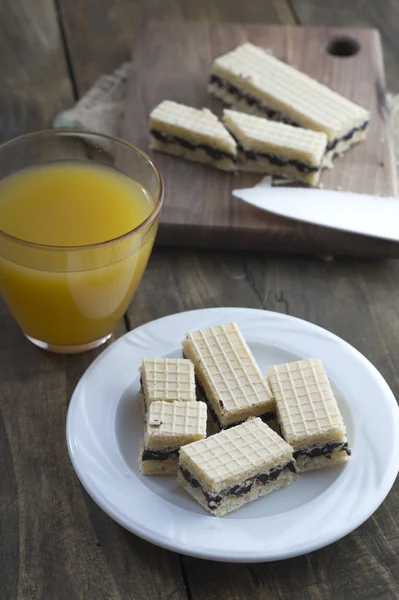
x: 308, y: 414
x: 193, y: 134
x: 252, y: 80
x: 167, y: 379
x: 169, y: 426
x: 235, y: 466
x: 275, y: 148
x: 228, y: 377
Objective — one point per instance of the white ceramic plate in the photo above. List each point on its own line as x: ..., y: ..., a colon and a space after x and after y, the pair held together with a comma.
x: 105, y: 424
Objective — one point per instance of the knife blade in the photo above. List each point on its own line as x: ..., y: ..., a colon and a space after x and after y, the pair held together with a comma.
x: 374, y: 216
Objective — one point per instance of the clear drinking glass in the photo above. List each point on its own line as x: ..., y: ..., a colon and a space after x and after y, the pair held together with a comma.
x: 68, y: 299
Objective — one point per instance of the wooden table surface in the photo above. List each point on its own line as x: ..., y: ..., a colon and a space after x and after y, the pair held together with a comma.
x: 55, y: 543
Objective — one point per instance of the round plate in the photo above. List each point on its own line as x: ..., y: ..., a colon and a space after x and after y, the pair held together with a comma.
x: 105, y: 424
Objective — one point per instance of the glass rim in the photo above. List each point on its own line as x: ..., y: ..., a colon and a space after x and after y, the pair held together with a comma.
x: 148, y: 220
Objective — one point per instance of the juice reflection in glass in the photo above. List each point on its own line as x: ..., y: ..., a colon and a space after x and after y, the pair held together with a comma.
x: 78, y: 218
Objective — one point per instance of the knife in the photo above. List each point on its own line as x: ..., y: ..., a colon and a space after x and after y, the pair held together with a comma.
x: 374, y: 216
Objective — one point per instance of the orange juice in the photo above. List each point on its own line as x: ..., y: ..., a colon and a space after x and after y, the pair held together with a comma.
x: 62, y: 288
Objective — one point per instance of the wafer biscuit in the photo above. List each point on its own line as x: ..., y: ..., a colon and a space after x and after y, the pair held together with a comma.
x: 308, y: 414
x: 268, y: 147
x: 251, y: 80
x: 235, y: 466
x: 167, y: 379
x: 193, y: 134
x: 228, y: 377
x: 169, y: 426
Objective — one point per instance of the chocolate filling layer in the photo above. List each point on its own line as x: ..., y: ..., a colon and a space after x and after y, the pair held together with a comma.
x: 271, y: 113
x: 273, y: 159
x: 313, y: 452
x: 214, y: 153
x: 159, y: 454
x: 238, y: 490
x: 333, y: 143
x: 276, y: 114
x: 141, y: 385
x: 201, y: 394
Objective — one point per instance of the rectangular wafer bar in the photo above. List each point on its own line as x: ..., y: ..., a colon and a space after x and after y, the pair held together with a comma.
x: 308, y: 414
x: 276, y: 148
x: 228, y: 377
x: 251, y: 80
x: 236, y: 466
x: 193, y: 134
x: 167, y: 379
x: 169, y: 426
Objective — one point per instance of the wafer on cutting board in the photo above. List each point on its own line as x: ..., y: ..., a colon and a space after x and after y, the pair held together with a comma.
x: 265, y: 146
x: 252, y: 80
x: 194, y: 134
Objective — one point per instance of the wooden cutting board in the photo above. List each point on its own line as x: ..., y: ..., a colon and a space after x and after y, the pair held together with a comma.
x: 173, y: 61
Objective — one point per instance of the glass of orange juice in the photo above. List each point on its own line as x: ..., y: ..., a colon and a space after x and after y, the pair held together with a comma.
x: 78, y: 216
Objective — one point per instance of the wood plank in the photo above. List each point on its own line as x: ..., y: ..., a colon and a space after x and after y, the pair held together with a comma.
x: 367, y: 13
x: 100, y: 34
x: 204, y: 213
x: 356, y: 300
x: 35, y: 84
x: 55, y: 542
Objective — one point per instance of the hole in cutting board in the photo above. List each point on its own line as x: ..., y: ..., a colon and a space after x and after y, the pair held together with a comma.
x: 343, y: 47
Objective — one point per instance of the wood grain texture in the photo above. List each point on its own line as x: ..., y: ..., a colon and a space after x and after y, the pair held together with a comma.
x: 100, y: 33
x: 383, y: 16
x: 34, y: 81
x: 56, y: 543
x: 34, y: 86
x: 199, y: 209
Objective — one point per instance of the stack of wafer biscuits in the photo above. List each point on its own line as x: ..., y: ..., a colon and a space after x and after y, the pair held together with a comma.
x: 250, y: 79
x: 246, y: 459
x: 173, y: 417
x: 315, y: 123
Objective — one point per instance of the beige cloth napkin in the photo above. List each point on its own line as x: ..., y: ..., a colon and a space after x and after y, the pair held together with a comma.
x: 101, y: 108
